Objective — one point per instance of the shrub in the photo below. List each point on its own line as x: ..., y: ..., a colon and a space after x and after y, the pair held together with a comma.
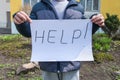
x: 101, y: 46
x: 118, y: 77
x: 112, y: 23
x: 101, y: 42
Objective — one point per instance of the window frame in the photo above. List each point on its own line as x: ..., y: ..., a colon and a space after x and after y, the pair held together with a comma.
x: 92, y: 8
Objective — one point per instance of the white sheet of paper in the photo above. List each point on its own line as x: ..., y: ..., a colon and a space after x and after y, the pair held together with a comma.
x: 61, y: 40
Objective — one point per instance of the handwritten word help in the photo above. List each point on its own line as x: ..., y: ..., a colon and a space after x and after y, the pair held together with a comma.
x: 61, y: 40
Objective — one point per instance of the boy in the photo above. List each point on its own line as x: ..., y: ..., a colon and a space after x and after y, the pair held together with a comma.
x: 56, y: 9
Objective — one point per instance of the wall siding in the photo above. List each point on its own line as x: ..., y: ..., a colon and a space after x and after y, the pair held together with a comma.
x: 110, y: 6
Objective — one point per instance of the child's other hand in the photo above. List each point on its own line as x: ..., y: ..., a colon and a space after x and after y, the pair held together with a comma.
x: 98, y: 19
x: 21, y: 17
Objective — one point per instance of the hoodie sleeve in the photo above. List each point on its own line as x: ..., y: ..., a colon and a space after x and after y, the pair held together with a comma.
x: 95, y: 26
x: 24, y: 28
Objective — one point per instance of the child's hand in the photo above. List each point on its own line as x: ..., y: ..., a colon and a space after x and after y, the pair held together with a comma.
x: 98, y: 19
x: 21, y: 17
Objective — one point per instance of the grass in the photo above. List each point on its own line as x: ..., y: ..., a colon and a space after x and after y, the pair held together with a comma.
x: 16, y: 46
x: 118, y: 77
x: 101, y: 57
x: 35, y: 78
x: 10, y: 37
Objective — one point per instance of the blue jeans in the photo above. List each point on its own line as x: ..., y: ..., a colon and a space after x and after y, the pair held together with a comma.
x: 72, y: 75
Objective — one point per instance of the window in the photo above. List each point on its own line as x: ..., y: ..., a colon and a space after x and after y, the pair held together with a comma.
x: 30, y: 2
x: 96, y: 5
x: 91, y: 5
x: 7, y: 1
